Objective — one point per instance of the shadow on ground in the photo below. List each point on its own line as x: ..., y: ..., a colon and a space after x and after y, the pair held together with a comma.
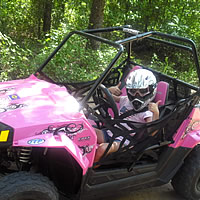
x: 164, y: 192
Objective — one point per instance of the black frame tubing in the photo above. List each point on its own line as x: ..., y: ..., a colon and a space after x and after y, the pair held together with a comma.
x: 148, y: 35
x: 90, y: 36
x: 119, y: 45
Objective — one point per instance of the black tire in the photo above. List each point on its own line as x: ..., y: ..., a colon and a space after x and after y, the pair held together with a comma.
x: 187, y: 180
x: 27, y: 186
x: 1, y: 175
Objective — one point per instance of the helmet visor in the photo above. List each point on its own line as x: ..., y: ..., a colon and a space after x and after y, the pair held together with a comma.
x: 142, y: 91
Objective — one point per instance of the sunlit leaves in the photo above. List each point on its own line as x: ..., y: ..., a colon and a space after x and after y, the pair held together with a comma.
x: 14, y: 62
x: 21, y: 26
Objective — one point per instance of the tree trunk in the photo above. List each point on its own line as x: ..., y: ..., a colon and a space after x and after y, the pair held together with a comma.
x: 47, y: 16
x: 96, y: 19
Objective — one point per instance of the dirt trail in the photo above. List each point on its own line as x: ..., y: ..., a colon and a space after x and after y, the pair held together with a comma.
x: 165, y: 192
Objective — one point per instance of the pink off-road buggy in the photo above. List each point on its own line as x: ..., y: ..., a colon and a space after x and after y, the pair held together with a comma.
x: 47, y: 137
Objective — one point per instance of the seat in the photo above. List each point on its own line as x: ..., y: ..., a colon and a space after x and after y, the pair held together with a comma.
x: 162, y: 92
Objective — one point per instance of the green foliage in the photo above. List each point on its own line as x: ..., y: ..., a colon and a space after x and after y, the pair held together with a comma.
x: 14, y: 62
x: 188, y: 74
x: 21, y: 23
x: 179, y: 17
x: 15, y: 18
x: 78, y: 13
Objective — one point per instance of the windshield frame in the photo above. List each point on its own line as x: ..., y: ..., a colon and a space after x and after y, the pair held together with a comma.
x: 132, y: 37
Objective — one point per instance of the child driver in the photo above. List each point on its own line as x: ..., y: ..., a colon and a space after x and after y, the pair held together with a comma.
x: 141, y: 87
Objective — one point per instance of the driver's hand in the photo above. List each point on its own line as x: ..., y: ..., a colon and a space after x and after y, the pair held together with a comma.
x: 115, y: 89
x: 153, y: 107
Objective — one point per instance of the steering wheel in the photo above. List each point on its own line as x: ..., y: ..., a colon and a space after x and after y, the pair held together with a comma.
x: 104, y: 100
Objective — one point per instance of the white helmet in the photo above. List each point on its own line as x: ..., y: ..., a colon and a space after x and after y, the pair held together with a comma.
x: 141, y: 88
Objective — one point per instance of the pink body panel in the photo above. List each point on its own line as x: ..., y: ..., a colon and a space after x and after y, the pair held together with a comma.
x: 37, y: 109
x: 60, y: 141
x: 188, y: 134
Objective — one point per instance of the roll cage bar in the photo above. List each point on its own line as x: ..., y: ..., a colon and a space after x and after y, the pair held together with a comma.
x: 133, y: 36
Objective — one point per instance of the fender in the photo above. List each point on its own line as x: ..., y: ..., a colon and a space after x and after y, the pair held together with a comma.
x: 190, y: 140
x: 188, y: 134
x: 56, y: 141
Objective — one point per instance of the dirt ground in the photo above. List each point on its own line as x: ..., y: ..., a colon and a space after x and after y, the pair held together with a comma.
x: 164, y: 192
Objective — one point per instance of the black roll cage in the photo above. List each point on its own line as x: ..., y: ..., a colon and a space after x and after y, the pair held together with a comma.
x: 132, y: 37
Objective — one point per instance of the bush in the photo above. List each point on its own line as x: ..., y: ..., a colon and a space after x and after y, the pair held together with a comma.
x: 15, y: 61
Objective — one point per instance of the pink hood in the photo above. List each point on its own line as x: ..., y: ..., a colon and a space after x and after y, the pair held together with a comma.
x: 30, y: 102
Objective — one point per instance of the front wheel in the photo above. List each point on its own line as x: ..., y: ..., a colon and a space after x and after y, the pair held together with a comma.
x: 27, y: 186
x: 187, y: 181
